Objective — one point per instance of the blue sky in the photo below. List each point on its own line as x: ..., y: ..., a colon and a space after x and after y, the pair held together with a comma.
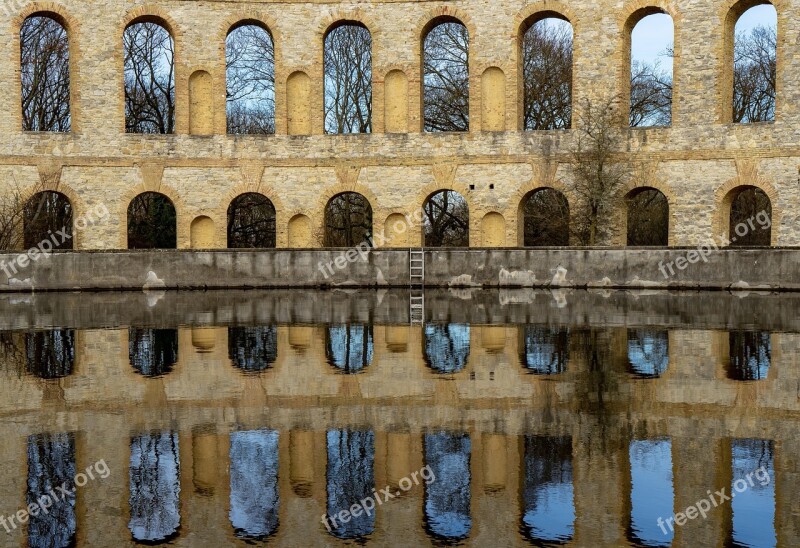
x: 654, y: 33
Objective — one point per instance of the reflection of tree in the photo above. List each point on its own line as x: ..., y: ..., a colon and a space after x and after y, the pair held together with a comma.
x: 13, y: 356
x: 648, y: 218
x: 748, y: 204
x: 447, y: 500
x: 250, y: 80
x: 547, y: 74
x: 545, y: 350
x: 750, y: 355
x: 446, y: 220
x: 546, y: 218
x: 648, y: 352
x: 155, y: 487
x: 348, y: 80
x: 752, y: 516
x: 44, y: 72
x: 547, y: 495
x: 348, y: 220
x: 153, y: 352
x: 349, y: 347
x: 152, y: 222
x: 351, y: 478
x: 446, y: 78
x: 251, y: 222
x: 253, y: 349
x: 149, y: 79
x: 46, y: 214
x: 255, y: 497
x: 51, y: 464
x: 447, y: 347
x: 50, y: 354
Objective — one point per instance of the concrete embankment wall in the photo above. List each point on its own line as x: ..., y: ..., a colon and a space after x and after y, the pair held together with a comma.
x: 762, y: 269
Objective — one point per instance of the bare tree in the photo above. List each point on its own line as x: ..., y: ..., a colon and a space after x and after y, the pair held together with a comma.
x: 446, y: 220
x: 45, y: 214
x: 754, y: 74
x: 651, y: 95
x: 44, y: 71
x: 149, y: 79
x: 749, y: 204
x: 12, y: 213
x: 546, y: 219
x: 348, y: 80
x: 446, y: 78
x: 547, y: 75
x: 251, y: 222
x: 348, y: 220
x: 152, y: 222
x: 597, y: 175
x: 648, y: 218
x: 250, y: 80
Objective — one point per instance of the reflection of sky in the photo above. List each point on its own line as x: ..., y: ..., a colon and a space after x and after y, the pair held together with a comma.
x: 350, y: 347
x: 652, y: 494
x: 655, y: 33
x: 254, y: 483
x: 753, y: 508
x: 549, y: 513
x: 51, y: 463
x: 447, y: 347
x: 447, y: 500
x: 648, y: 352
x: 351, y: 478
x: 154, y: 486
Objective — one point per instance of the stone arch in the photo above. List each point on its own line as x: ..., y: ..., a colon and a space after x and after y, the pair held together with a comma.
x: 730, y: 12
x: 352, y: 235
x: 395, y: 99
x: 71, y: 25
x: 493, y: 230
x: 164, y: 236
x: 643, y: 207
x: 300, y: 232
x: 396, y: 230
x: 493, y: 99
x: 183, y: 232
x: 256, y: 209
x: 298, y: 104
x: 202, y: 233
x: 523, y: 21
x: 201, y: 103
x: 463, y: 234
x: 558, y: 227
x: 729, y: 191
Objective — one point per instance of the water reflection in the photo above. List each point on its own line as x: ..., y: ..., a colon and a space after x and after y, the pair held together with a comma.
x: 548, y: 507
x: 155, y: 487
x: 447, y: 500
x: 648, y: 352
x: 153, y: 352
x: 753, y: 507
x: 254, y: 484
x: 351, y: 478
x: 750, y: 355
x: 253, y: 349
x: 51, y: 464
x: 652, y: 494
x: 349, y: 347
x: 544, y: 350
x: 50, y: 354
x: 447, y: 347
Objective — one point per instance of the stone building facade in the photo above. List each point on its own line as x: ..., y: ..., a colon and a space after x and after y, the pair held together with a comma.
x: 696, y: 163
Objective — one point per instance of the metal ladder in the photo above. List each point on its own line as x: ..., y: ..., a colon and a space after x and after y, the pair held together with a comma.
x: 416, y: 263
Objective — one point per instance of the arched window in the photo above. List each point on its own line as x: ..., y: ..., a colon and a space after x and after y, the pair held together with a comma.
x: 152, y: 352
x: 149, y: 77
x: 152, y: 222
x: 47, y: 217
x: 446, y: 220
x: 651, y: 35
x: 445, y: 67
x: 546, y: 42
x: 348, y: 78
x: 349, y: 347
x: 251, y: 222
x: 255, y: 494
x: 154, y: 483
x: 50, y: 354
x: 750, y: 219
x: 447, y: 347
x: 250, y: 79
x: 545, y: 218
x: 544, y: 350
x: 447, y: 500
x: 253, y: 349
x: 348, y: 220
x: 351, y: 479
x: 648, y: 217
x: 44, y: 72
x: 51, y: 464
x: 548, y: 503
x: 752, y: 27
x: 648, y: 352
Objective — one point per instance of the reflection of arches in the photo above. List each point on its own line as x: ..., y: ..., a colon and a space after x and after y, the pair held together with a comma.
x: 48, y: 215
x: 298, y: 103
x: 447, y: 500
x: 548, y: 505
x: 351, y: 479
x: 300, y: 232
x: 648, y: 352
x: 647, y: 217
x: 446, y: 347
x: 253, y: 349
x: 445, y: 75
x: 446, y: 220
x: 50, y: 354
x: 396, y: 230
x: 153, y: 352
x: 255, y: 496
x: 395, y: 98
x: 51, y: 463
x: 651, y: 492
x: 201, y: 233
x: 748, y: 212
x: 544, y: 350
x: 493, y: 99
x: 152, y: 222
x: 251, y: 222
x: 493, y: 230
x: 544, y: 215
x: 753, y: 490
x: 348, y: 220
x: 349, y: 347
x: 201, y: 103
x: 750, y: 355
x: 155, y: 487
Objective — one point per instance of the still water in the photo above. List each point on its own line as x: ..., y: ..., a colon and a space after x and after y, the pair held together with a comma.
x: 506, y: 418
